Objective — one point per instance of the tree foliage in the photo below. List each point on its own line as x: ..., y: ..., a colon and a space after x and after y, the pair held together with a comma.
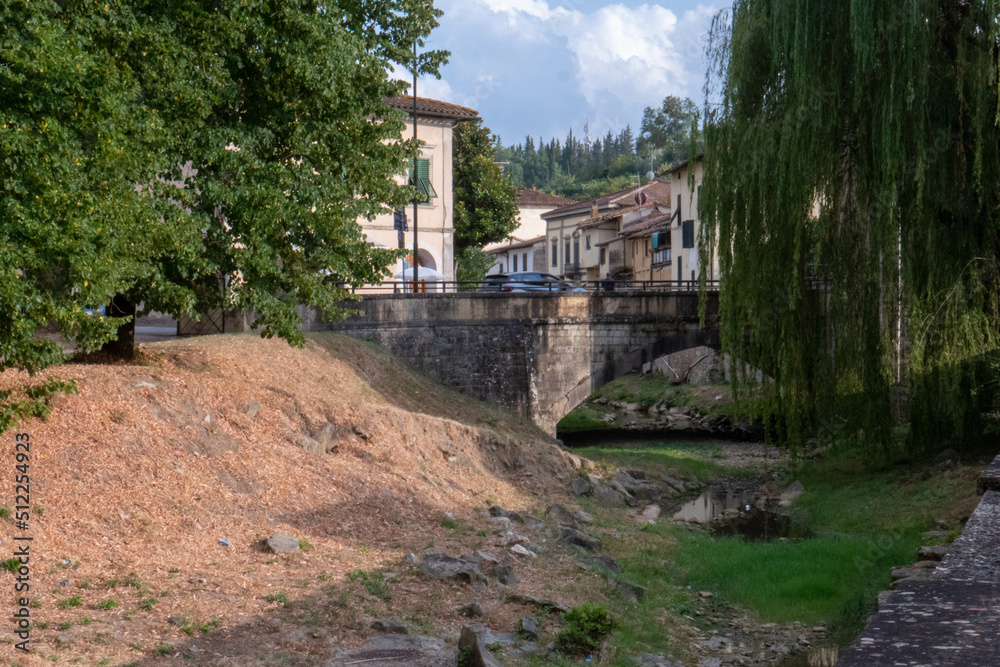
x: 852, y: 179
x: 485, y: 200
x: 669, y: 128
x: 194, y: 155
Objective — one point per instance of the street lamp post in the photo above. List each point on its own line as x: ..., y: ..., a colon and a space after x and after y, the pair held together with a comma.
x: 416, y: 202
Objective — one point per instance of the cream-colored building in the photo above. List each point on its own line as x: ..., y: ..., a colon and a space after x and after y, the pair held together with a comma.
x: 436, y: 123
x: 687, y: 223
x: 531, y: 205
x: 583, y: 237
x: 516, y: 256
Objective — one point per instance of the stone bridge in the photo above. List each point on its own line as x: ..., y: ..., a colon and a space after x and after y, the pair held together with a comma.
x: 538, y: 354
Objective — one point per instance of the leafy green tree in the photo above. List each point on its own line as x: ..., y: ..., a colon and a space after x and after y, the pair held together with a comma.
x: 485, y: 200
x: 668, y: 128
x: 472, y: 265
x: 194, y: 155
x: 852, y: 192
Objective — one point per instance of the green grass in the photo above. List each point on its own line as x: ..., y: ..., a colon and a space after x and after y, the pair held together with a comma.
x: 864, y: 522
x: 582, y: 418
x: 830, y: 580
x: 676, y: 458
x: 646, y: 390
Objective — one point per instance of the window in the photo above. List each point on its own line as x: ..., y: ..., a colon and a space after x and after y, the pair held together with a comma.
x: 646, y: 244
x: 661, y: 256
x: 576, y: 251
x: 603, y: 256
x: 555, y: 253
x: 588, y: 241
x: 697, y: 203
x: 678, y: 211
x: 514, y: 264
x: 425, y: 191
x: 524, y: 260
x: 566, y: 255
x: 687, y: 234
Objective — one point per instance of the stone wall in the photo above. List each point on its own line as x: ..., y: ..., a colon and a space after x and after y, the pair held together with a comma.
x: 538, y: 354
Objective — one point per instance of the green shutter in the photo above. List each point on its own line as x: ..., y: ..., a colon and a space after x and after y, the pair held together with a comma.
x: 423, y: 185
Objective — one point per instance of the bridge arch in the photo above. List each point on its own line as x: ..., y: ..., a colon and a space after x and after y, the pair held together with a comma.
x: 538, y: 354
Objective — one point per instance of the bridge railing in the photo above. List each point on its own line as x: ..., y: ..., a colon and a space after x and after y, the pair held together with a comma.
x: 569, y: 287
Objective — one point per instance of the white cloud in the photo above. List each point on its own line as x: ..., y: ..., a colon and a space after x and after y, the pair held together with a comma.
x: 625, y: 57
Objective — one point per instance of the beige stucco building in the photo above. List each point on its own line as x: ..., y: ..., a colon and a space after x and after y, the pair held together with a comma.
x: 583, y: 237
x: 436, y: 122
x: 687, y: 223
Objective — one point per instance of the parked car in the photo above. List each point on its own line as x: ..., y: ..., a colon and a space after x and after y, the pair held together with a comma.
x: 529, y: 281
x: 493, y: 283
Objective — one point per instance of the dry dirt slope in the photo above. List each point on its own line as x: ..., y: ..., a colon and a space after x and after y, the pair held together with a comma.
x: 137, y: 479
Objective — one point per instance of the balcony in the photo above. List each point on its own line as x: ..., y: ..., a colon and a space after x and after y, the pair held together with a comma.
x: 662, y: 257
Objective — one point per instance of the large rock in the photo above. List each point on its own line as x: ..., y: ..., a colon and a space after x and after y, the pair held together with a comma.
x: 544, y: 605
x: 675, y: 484
x: 472, y: 647
x: 794, y: 490
x: 580, y: 486
x: 608, y: 497
x: 576, y: 538
x: 932, y: 553
x: 529, y: 628
x: 505, y: 574
x: 440, y: 566
x: 473, y: 609
x: 390, y: 626
x: 639, y: 488
x: 283, y: 544
x: 561, y: 516
x: 650, y: 660
x: 327, y: 438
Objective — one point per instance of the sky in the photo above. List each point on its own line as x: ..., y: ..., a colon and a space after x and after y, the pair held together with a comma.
x: 540, y: 67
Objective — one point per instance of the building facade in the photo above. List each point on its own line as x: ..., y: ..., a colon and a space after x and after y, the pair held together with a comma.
x: 685, y: 231
x: 583, y: 240
x: 436, y: 122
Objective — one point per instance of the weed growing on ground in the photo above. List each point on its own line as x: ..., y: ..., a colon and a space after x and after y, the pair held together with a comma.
x: 107, y: 604
x: 586, y: 627
x: 280, y: 598
x: 74, y: 601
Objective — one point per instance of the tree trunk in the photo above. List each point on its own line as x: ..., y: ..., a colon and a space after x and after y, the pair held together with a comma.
x: 124, y: 347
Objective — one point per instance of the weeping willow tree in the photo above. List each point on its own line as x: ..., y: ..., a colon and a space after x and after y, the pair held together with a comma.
x: 852, y: 178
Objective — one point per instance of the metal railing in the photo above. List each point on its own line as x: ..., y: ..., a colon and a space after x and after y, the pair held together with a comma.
x: 568, y: 287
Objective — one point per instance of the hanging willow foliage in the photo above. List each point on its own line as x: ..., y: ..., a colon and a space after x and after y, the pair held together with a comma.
x: 852, y: 178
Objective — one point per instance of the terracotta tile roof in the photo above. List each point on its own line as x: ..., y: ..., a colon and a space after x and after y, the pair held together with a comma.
x: 659, y: 191
x: 432, y: 108
x: 653, y: 223
x: 528, y: 197
x: 516, y: 246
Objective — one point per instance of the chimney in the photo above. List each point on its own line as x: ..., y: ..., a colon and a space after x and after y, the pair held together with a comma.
x: 593, y: 211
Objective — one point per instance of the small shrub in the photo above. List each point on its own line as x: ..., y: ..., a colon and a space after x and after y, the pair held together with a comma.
x: 163, y: 649
x: 586, y: 627
x: 449, y: 523
x: 4, y: 513
x: 111, y: 583
x: 43, y: 625
x: 304, y: 545
x: 148, y: 603
x: 86, y: 620
x: 66, y: 625
x: 107, y: 604
x: 12, y: 565
x: 277, y: 597
x: 74, y: 601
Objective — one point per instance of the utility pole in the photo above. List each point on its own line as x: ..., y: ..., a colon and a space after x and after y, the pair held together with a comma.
x: 416, y: 199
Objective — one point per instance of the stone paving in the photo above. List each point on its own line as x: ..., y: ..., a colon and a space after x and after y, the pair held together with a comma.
x: 953, y: 618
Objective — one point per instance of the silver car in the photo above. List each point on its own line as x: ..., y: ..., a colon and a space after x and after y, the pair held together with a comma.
x: 530, y: 281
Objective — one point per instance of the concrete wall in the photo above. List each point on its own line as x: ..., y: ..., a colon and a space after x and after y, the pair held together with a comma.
x: 538, y: 354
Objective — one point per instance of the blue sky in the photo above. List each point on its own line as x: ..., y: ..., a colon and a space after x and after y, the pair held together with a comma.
x: 539, y: 67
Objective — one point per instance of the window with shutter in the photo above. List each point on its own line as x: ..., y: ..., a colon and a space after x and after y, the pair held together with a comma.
x: 687, y: 234
x: 423, y: 182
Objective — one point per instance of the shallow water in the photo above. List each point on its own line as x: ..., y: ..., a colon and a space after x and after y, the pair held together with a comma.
x: 710, y: 505
x: 753, y: 522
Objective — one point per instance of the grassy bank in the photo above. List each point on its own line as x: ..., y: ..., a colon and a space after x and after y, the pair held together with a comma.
x: 863, y: 523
